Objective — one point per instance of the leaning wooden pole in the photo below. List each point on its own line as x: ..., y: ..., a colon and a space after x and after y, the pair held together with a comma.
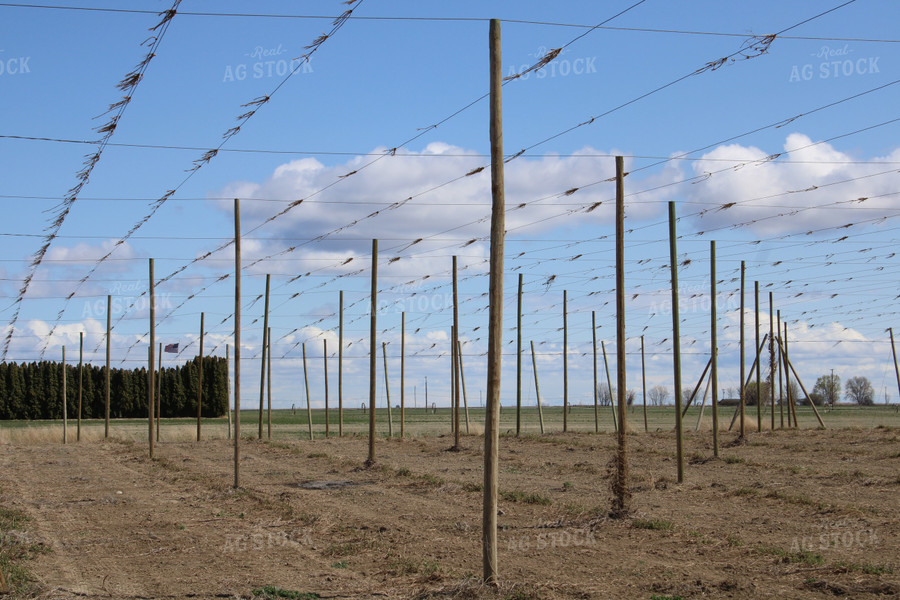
x: 696, y: 389
x: 894, y: 352
x: 743, y: 338
x: 772, y: 361
x: 228, y: 386
x: 758, y: 369
x: 387, y: 390
x: 490, y: 568
x: 373, y: 349
x: 622, y: 501
x: 808, y: 397
x: 150, y: 374
x: 594, y: 353
x: 237, y: 343
x: 65, y: 404
x: 753, y: 368
x: 269, y: 383
x: 612, y: 403
x: 565, y: 362
x: 80, y: 381
x: 780, y: 371
x: 519, y: 359
x: 262, y: 365
x: 403, y: 375
x: 308, y: 399
x: 792, y: 402
x: 676, y: 342
x: 200, y: 380
x: 106, y: 374
x: 714, y: 345
x: 644, y: 384
x: 537, y: 389
x: 462, y: 383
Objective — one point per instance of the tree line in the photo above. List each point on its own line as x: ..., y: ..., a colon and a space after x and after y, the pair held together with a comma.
x: 34, y: 390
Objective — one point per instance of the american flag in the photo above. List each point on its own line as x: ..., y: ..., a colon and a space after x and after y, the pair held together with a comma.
x: 171, y: 348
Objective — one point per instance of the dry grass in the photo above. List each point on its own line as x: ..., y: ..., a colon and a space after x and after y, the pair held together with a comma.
x: 42, y: 434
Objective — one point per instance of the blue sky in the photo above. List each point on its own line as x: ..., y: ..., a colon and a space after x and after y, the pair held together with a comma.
x: 769, y: 156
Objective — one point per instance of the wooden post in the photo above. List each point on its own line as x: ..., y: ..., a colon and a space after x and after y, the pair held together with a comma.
x: 758, y: 369
x: 341, y: 367
x: 808, y: 397
x: 792, y: 402
x: 200, y: 379
x: 676, y: 342
x: 594, y: 353
x: 753, y: 368
x: 373, y: 348
x: 644, y: 384
x: 519, y: 360
x: 537, y: 389
x: 64, y: 402
x: 462, y: 383
x: 742, y: 391
x: 894, y: 352
x: 262, y: 366
x: 454, y: 354
x: 696, y: 388
x: 403, y: 374
x: 495, y: 320
x: 622, y: 502
x: 237, y: 343
x: 565, y: 364
x: 612, y: 404
x: 714, y: 346
x: 387, y: 391
x: 780, y: 370
x: 308, y: 399
x: 325, y: 361
x: 152, y: 350
x: 108, y: 332
x: 228, y: 386
x: 80, y: 380
x: 772, y: 361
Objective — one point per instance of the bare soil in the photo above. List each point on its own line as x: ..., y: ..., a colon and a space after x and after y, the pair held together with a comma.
x: 789, y: 514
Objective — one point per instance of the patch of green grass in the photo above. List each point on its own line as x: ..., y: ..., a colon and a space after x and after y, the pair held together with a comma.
x: 745, y: 492
x: 658, y: 597
x: 525, y: 497
x: 799, y: 557
x: 16, y: 547
x: 404, y: 472
x: 735, y: 541
x: 473, y: 487
x: 654, y: 524
x: 341, y: 564
x: 316, y: 455
x: 734, y: 460
x: 270, y: 592
x: 869, y: 569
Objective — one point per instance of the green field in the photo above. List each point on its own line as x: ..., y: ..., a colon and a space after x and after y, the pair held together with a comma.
x: 288, y: 424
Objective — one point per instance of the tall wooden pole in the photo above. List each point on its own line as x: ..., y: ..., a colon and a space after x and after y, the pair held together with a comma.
x: 65, y: 404
x: 152, y: 351
x: 269, y: 382
x: 758, y: 369
x: 495, y: 319
x: 894, y: 352
x: 519, y: 359
x: 106, y: 374
x: 237, y: 343
x: 387, y: 390
x: 792, y: 402
x: 676, y: 342
x: 780, y: 370
x: 644, y: 384
x: 537, y: 389
x: 772, y: 360
x: 80, y: 380
x: 594, y: 352
x: 455, y: 357
x: 262, y: 366
x: 742, y: 391
x: 325, y: 362
x: 621, y: 503
x: 341, y: 366
x: 200, y: 378
x: 228, y: 386
x: 308, y: 399
x: 373, y: 348
x: 612, y: 402
x: 402, y: 373
x: 565, y: 362
x: 714, y: 346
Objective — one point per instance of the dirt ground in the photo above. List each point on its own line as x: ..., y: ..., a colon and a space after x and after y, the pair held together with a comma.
x: 806, y: 514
